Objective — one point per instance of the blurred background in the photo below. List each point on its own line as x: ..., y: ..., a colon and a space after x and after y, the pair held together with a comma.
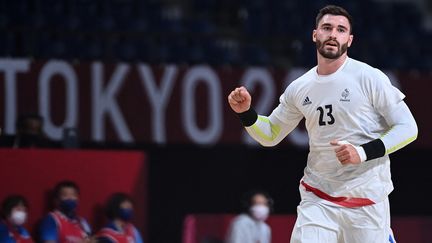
x: 152, y: 76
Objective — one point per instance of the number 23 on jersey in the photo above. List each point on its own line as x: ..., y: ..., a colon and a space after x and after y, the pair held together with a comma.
x: 326, y: 115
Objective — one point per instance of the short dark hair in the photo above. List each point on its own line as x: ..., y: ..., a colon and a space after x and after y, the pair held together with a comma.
x: 10, y: 202
x: 64, y: 184
x: 113, y: 204
x: 249, y: 195
x: 334, y: 10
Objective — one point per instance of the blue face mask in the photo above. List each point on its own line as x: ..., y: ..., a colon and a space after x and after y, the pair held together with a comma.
x: 68, y: 206
x: 125, y: 214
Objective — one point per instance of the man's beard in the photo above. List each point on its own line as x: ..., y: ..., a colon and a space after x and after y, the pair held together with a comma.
x: 330, y: 54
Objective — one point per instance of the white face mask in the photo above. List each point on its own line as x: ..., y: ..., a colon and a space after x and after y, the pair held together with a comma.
x: 260, y: 212
x: 18, y: 217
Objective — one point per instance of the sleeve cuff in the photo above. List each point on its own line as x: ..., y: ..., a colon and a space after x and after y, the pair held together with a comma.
x: 248, y: 118
x: 361, y: 152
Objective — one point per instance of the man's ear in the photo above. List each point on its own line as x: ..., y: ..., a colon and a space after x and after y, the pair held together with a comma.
x: 351, y: 37
x: 314, y: 35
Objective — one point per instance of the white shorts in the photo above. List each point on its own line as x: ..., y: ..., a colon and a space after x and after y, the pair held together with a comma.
x: 317, y: 222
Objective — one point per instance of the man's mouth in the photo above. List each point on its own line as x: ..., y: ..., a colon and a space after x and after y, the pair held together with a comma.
x: 331, y: 43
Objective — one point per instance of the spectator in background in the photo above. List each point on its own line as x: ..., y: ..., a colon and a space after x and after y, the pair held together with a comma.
x: 29, y: 133
x: 14, y: 216
x: 63, y: 225
x: 250, y: 227
x: 119, y: 211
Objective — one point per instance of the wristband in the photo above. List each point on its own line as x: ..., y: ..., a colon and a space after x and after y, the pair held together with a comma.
x: 248, y: 118
x: 374, y: 149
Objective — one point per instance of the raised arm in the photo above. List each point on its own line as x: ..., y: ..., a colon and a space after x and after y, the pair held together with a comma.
x: 268, y: 131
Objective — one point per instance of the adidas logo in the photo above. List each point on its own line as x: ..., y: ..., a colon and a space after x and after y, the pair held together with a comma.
x: 307, y: 101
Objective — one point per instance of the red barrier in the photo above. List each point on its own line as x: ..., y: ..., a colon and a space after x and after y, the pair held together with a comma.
x: 33, y: 173
x: 412, y: 229
x: 209, y: 228
x: 212, y: 228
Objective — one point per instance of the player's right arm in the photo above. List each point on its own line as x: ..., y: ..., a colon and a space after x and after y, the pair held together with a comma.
x: 268, y: 131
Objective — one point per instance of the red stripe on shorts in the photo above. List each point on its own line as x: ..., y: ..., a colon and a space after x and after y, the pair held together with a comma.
x: 349, y: 202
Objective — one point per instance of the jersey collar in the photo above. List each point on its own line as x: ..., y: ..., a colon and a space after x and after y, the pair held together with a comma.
x: 329, y: 77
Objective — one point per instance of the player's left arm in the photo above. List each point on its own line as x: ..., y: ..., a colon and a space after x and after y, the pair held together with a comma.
x: 389, y: 102
x: 403, y: 130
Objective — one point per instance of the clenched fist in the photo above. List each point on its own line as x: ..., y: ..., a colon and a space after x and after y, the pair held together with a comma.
x: 346, y: 152
x: 240, y: 100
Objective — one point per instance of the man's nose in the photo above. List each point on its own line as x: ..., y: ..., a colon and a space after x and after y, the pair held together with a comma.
x: 333, y: 33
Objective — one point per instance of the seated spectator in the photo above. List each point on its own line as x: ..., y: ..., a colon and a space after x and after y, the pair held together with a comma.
x: 29, y: 134
x: 250, y: 226
x: 119, y: 211
x: 14, y: 216
x: 63, y: 225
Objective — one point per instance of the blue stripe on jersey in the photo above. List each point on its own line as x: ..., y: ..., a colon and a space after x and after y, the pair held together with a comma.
x: 391, y: 239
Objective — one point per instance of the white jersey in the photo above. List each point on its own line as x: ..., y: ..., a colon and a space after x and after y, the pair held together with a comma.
x: 351, y: 104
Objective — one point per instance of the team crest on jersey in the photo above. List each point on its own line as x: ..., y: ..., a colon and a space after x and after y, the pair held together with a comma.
x: 345, y: 95
x: 307, y: 101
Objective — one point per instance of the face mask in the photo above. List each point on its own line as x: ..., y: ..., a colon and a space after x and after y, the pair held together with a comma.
x: 125, y: 214
x: 68, y: 206
x: 260, y: 212
x: 18, y: 217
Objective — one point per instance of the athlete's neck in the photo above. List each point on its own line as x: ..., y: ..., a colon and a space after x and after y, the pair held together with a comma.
x: 328, y: 66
